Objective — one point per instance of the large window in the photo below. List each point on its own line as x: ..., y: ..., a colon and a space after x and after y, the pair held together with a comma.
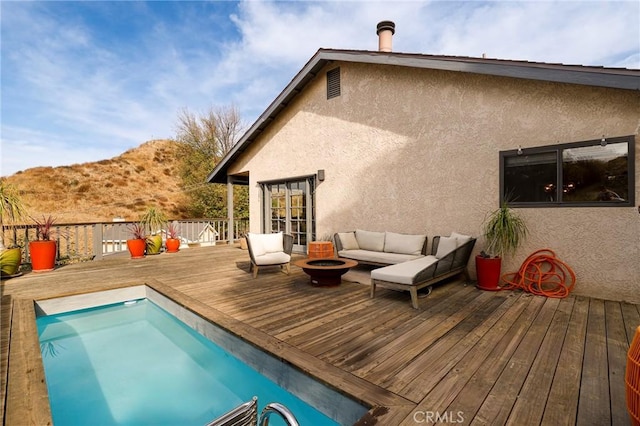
x: 590, y: 173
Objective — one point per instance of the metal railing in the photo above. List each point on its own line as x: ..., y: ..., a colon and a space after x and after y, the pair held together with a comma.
x: 79, y: 242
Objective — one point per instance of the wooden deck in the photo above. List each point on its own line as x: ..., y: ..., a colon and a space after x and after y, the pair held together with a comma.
x: 466, y: 356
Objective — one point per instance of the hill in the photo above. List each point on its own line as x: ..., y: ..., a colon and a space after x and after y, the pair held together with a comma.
x: 123, y: 186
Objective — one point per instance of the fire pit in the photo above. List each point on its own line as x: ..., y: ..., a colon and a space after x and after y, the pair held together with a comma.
x: 325, y: 272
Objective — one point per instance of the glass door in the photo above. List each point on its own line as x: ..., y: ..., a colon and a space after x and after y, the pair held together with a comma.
x: 288, y: 207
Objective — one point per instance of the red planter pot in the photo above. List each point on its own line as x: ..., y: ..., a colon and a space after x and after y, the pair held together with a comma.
x: 43, y: 255
x: 172, y: 244
x: 488, y: 272
x: 137, y: 248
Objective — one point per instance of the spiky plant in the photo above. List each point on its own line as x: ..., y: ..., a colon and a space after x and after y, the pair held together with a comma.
x: 11, y: 207
x: 504, y: 231
x: 154, y: 219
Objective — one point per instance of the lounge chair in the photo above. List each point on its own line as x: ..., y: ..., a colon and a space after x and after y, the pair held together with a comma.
x: 449, y: 256
x: 269, y: 250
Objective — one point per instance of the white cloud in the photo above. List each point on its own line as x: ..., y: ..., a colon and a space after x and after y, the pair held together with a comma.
x: 87, y: 80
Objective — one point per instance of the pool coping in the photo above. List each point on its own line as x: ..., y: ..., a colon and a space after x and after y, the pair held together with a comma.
x: 26, y: 392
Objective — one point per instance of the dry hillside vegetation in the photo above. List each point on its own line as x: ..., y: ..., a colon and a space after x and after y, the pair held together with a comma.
x: 124, y: 186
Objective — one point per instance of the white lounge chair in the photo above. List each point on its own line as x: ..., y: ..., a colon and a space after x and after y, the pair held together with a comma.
x: 269, y: 250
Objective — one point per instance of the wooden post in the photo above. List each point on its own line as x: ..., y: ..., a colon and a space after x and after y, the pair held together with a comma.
x: 230, y: 227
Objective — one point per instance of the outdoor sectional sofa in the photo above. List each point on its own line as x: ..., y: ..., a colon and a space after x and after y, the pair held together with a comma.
x: 380, y: 248
x: 449, y: 257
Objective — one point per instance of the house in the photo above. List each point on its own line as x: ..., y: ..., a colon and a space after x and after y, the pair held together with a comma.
x: 417, y: 143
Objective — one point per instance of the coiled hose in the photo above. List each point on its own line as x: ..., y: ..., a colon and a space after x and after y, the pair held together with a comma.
x: 542, y: 274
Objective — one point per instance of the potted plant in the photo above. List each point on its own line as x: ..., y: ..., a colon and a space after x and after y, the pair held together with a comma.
x: 154, y: 220
x: 138, y: 244
x: 503, y: 231
x: 44, y: 249
x: 11, y: 209
x: 173, y: 238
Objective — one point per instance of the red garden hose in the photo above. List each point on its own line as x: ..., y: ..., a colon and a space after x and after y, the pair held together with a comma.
x: 542, y: 274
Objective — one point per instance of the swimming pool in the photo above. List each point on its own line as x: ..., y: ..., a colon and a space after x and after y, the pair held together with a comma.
x: 134, y: 363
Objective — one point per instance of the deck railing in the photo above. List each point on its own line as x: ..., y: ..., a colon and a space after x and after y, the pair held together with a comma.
x: 92, y: 241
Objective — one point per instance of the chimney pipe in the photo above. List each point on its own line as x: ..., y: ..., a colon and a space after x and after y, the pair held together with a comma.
x: 385, y: 32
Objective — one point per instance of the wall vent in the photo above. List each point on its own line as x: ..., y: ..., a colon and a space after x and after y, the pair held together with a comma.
x: 333, y: 83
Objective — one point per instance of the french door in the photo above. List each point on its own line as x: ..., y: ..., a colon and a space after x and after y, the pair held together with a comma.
x: 289, y: 207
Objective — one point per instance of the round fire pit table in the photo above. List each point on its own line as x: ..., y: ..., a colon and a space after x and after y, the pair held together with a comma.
x: 325, y: 272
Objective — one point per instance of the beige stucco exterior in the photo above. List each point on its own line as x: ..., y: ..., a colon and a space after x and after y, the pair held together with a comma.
x: 417, y: 151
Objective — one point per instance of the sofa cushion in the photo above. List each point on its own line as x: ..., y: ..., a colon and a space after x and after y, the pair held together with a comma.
x: 348, y: 240
x: 462, y: 239
x: 446, y: 246
x: 266, y: 243
x: 273, y: 258
x: 272, y: 243
x: 369, y: 240
x: 404, y: 272
x: 377, y: 256
x: 403, y: 243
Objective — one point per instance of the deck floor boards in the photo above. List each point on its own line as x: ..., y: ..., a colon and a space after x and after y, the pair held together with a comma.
x: 466, y: 356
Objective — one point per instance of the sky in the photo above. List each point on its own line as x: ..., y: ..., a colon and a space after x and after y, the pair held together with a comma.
x: 85, y: 81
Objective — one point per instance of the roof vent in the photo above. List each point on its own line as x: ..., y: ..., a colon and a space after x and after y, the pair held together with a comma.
x: 333, y: 83
x: 385, y: 31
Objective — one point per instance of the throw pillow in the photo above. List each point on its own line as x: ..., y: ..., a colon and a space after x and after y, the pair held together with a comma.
x: 446, y: 246
x: 348, y: 240
x: 462, y: 239
x: 272, y: 243
x: 256, y: 244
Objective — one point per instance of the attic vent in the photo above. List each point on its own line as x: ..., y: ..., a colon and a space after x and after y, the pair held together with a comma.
x: 333, y: 83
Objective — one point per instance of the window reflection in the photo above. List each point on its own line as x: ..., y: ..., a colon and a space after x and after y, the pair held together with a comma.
x: 596, y: 173
x: 588, y: 173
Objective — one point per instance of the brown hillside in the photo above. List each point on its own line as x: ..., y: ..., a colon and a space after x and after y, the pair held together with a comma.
x: 123, y: 186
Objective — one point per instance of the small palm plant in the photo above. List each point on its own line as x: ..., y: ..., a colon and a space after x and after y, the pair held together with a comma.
x: 11, y: 208
x: 155, y: 220
x: 504, y: 231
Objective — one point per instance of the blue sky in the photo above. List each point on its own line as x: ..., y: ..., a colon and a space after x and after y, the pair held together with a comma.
x: 85, y: 81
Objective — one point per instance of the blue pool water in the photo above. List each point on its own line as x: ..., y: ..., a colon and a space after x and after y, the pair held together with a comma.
x: 132, y: 364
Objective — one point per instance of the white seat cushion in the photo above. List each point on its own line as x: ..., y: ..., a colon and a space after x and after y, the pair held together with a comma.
x: 273, y: 258
x: 377, y: 256
x: 403, y: 273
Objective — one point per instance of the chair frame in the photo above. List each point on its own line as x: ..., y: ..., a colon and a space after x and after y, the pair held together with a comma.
x: 287, y: 241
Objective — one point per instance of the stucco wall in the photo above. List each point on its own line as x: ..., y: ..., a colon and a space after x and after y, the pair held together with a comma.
x: 416, y: 151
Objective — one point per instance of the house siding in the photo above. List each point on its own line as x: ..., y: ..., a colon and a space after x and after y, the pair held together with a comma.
x: 417, y: 151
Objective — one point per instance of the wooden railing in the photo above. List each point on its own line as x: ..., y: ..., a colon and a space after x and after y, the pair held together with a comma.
x: 92, y: 241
